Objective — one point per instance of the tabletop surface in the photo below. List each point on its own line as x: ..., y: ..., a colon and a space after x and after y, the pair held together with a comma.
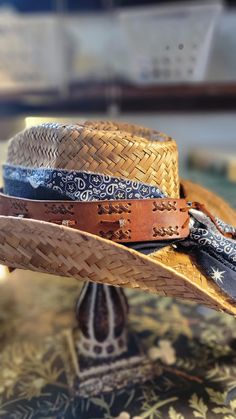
x: 193, y: 351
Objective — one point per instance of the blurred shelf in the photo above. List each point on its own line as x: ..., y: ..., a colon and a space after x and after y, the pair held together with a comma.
x: 98, y: 97
x: 182, y: 97
x: 71, y: 6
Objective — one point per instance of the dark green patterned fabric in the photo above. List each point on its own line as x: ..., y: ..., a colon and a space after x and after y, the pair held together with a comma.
x: 192, y: 350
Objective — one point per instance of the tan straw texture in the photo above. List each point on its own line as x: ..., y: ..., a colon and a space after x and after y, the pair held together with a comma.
x: 45, y: 247
x: 137, y: 130
x: 115, y: 152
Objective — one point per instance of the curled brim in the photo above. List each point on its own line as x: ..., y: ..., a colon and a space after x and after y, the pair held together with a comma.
x: 60, y: 250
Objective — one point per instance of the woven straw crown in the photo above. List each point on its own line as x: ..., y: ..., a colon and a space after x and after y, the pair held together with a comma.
x: 109, y: 148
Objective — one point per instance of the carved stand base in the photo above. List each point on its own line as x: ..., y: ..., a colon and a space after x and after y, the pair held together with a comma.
x: 108, y: 357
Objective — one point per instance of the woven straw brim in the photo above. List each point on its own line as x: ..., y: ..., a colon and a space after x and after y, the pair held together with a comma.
x: 44, y: 247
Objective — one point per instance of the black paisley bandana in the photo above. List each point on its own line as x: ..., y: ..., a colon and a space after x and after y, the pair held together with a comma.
x: 79, y: 186
x: 214, y: 253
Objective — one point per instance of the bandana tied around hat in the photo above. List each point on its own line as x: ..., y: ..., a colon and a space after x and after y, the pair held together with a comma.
x: 211, y: 242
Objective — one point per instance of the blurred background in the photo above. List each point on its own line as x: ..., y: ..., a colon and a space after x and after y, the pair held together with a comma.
x: 168, y: 66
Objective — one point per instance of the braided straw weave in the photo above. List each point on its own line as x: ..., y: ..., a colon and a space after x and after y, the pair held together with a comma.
x: 110, y: 148
x: 44, y: 247
x: 113, y: 149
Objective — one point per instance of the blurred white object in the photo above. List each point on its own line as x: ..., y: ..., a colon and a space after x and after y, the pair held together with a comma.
x: 150, y: 45
x: 3, y: 273
x: 90, y: 45
x: 169, y: 43
x: 31, y: 55
x: 222, y: 64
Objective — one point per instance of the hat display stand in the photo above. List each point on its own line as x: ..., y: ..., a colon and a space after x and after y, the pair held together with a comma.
x: 108, y: 354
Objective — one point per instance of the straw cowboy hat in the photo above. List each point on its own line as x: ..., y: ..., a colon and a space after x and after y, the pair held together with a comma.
x: 102, y: 201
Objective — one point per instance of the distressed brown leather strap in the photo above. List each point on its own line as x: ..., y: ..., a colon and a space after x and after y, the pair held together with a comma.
x: 120, y: 220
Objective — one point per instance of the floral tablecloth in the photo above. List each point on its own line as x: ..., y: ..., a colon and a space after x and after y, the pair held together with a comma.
x: 193, y: 351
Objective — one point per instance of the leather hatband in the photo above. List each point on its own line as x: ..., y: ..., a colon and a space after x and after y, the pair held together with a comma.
x: 120, y: 220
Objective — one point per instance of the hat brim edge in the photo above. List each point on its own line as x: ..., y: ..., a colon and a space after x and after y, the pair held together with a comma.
x: 59, y: 250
